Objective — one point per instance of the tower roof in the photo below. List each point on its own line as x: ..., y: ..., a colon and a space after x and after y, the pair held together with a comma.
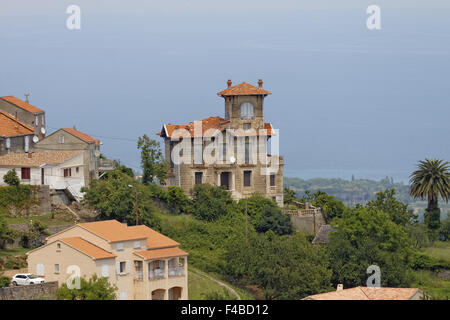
x: 244, y: 89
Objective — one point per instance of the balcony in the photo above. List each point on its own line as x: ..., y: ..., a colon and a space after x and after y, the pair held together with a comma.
x: 156, y: 274
x: 176, y: 272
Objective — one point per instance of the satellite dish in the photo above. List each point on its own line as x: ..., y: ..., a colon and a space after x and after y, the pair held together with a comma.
x: 35, y: 139
x: 97, y: 153
x: 43, y: 130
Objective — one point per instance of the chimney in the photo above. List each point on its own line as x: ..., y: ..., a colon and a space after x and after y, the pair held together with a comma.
x: 26, y: 97
x: 340, y: 287
x: 74, y: 128
x: 260, y: 83
x: 229, y: 83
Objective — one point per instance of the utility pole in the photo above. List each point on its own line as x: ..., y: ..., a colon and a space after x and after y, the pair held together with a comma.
x: 136, y: 202
x: 246, y: 222
x: 136, y: 205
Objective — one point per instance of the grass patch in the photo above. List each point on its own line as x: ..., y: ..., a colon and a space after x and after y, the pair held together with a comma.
x: 14, y: 252
x: 440, y: 250
x: 58, y: 219
x: 199, y: 285
x: 428, y: 282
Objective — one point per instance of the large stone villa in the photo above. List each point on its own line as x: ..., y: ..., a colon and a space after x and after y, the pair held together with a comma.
x: 232, y: 151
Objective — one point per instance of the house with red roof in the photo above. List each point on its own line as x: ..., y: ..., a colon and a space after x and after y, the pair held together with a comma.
x: 26, y: 113
x: 229, y: 151
x: 76, y: 140
x: 143, y: 263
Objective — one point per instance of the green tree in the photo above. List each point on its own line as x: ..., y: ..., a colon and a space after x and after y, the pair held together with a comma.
x: 272, y: 219
x: 431, y: 179
x: 210, y: 202
x: 331, y: 207
x: 367, y: 236
x: 445, y: 229
x: 152, y: 161
x: 33, y: 236
x: 11, y: 178
x: 289, y: 195
x: 177, y: 200
x: 283, y: 267
x: 7, y: 235
x: 115, y: 198
x: 93, y: 289
x: 4, y: 282
x: 397, y: 210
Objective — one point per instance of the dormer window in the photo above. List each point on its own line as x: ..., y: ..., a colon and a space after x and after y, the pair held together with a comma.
x: 247, y: 111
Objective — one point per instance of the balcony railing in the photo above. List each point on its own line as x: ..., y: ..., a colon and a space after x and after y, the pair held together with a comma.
x: 176, y: 272
x: 156, y: 274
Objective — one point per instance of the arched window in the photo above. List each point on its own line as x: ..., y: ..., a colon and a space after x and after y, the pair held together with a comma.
x: 247, y: 111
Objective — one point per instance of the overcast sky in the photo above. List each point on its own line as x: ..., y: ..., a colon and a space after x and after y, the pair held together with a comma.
x: 343, y: 96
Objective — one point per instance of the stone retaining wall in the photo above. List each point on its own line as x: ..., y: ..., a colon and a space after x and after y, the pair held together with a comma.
x: 43, y: 291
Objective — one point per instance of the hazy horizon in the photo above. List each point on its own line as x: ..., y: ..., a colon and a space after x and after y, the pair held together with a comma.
x: 344, y: 98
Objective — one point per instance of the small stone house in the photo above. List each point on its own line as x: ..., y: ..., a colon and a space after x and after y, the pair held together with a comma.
x: 60, y: 170
x: 142, y: 263
x: 26, y: 113
x: 15, y: 136
x: 231, y: 152
x: 73, y: 139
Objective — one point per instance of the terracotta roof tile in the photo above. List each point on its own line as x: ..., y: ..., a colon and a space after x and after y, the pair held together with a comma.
x: 243, y: 89
x: 81, y: 135
x: 364, y: 293
x: 10, y: 126
x: 210, y: 127
x: 161, y: 253
x: 155, y: 239
x: 87, y: 248
x: 112, y: 230
x: 37, y: 159
x: 22, y: 104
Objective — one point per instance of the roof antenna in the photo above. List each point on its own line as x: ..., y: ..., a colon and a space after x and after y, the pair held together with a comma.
x: 26, y: 97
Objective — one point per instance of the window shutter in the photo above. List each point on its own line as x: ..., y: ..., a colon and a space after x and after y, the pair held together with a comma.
x: 105, y: 270
x: 128, y: 266
x: 40, y: 269
x: 118, y: 267
x: 27, y: 143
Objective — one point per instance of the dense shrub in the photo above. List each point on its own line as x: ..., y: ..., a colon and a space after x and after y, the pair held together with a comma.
x: 210, y: 202
x: 11, y: 178
x: 177, y: 200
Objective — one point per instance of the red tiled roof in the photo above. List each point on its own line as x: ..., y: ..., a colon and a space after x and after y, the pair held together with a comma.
x: 155, y: 239
x: 210, y: 127
x: 208, y: 124
x: 81, y: 135
x: 243, y: 89
x: 366, y: 293
x: 22, y: 104
x: 10, y: 126
x: 87, y: 248
x: 112, y: 230
x: 36, y: 159
x: 161, y: 253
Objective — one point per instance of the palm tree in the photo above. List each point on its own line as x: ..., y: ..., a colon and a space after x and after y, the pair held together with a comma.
x: 431, y: 179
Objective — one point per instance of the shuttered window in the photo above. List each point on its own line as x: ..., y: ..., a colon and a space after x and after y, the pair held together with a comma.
x: 105, y: 270
x: 272, y: 179
x: 40, y: 269
x: 247, y: 178
x: 25, y: 173
x: 198, y: 177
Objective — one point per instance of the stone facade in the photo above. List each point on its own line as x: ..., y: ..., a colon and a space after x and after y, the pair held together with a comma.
x: 230, y: 151
x: 42, y: 291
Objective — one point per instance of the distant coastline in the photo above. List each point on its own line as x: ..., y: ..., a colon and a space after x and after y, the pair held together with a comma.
x: 399, y: 176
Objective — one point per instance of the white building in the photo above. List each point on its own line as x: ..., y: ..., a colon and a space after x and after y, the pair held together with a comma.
x: 60, y: 170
